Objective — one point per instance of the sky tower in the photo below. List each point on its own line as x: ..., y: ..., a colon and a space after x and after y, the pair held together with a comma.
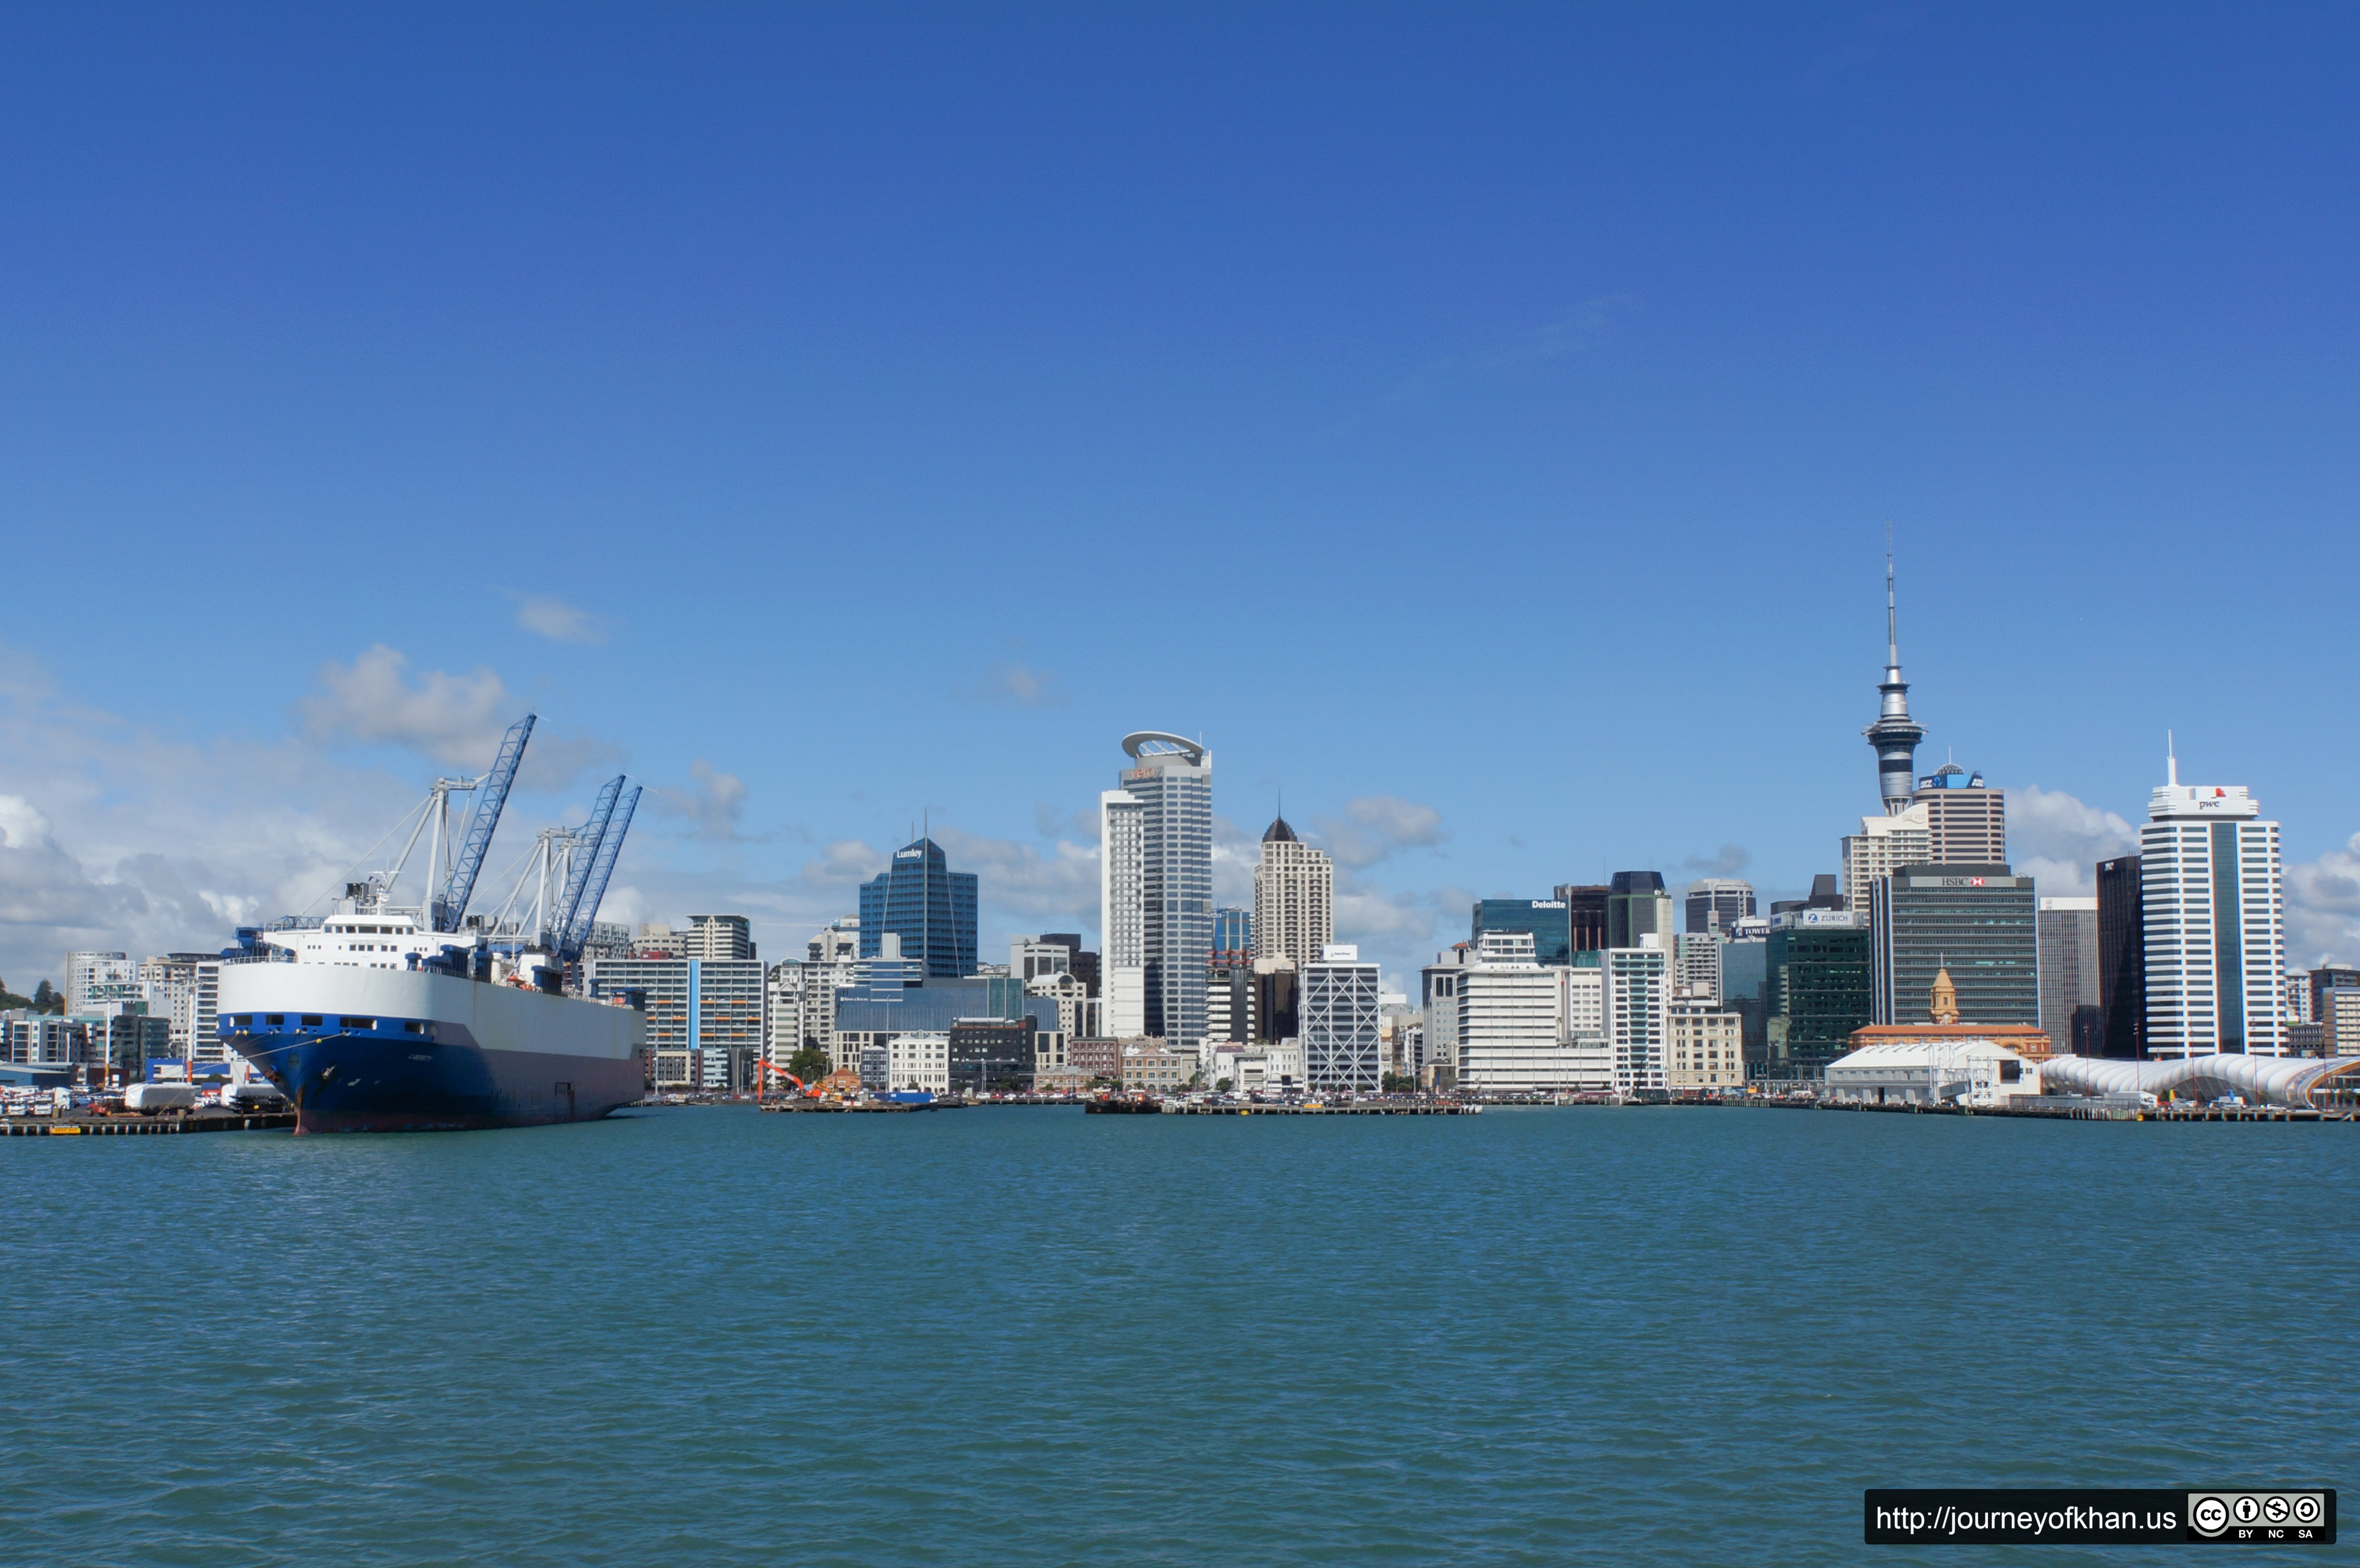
x: 1894, y: 735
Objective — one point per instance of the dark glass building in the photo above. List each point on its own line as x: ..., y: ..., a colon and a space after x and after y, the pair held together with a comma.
x: 1816, y: 993
x: 931, y: 907
x: 1637, y: 904
x: 1277, y: 1011
x: 1979, y: 921
x: 1717, y: 903
x: 1824, y: 895
x: 991, y: 1055
x: 1745, y: 972
x: 1551, y: 932
x: 2122, y: 959
x: 1585, y: 915
x: 1232, y: 930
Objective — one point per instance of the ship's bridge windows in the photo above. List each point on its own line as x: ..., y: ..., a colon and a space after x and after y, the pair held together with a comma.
x: 276, y: 1021
x: 311, y: 1020
x: 359, y: 1023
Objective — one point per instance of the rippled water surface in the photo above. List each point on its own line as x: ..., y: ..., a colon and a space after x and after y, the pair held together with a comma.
x: 1028, y: 1335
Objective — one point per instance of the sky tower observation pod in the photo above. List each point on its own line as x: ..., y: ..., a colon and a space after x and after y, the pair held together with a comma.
x: 1148, y: 744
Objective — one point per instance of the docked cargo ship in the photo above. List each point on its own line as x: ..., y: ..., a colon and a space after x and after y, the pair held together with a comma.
x: 378, y: 1017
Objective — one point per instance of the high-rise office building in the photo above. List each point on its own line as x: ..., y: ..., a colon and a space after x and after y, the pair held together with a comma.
x: 1585, y: 914
x: 1637, y: 906
x: 1543, y: 919
x: 1233, y: 930
x: 1816, y: 989
x: 1827, y: 893
x: 1342, y: 1049
x: 88, y: 974
x: 1744, y: 969
x: 1229, y: 999
x: 930, y: 907
x: 1084, y: 964
x: 1508, y: 1025
x: 2320, y: 987
x: 1883, y: 844
x: 2068, y: 930
x: 1638, y: 994
x: 1895, y: 735
x: 1717, y: 903
x: 727, y: 937
x: 1030, y: 957
x: 1977, y: 921
x: 1294, y: 897
x: 1278, y: 1000
x: 1156, y: 892
x: 1695, y: 967
x: 2122, y: 959
x: 1966, y: 819
x: 2213, y: 899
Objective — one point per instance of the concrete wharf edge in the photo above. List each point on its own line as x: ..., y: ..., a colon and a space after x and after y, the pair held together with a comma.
x: 144, y: 1126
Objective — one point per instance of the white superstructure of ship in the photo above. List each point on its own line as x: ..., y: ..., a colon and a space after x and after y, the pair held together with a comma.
x: 383, y: 1017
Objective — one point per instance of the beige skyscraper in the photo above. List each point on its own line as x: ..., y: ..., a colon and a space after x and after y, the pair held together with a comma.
x: 1294, y: 897
x: 1966, y: 819
x: 1882, y: 844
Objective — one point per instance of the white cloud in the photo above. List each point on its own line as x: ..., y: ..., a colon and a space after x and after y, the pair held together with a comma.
x: 1062, y: 883
x: 1733, y: 860
x: 121, y: 837
x: 2323, y: 900
x: 456, y: 720
x: 1377, y: 827
x: 844, y: 863
x: 559, y: 620
x: 1011, y: 684
x: 2056, y: 839
x: 712, y: 801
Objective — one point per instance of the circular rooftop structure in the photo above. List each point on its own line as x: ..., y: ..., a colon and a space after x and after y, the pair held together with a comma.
x: 1147, y: 745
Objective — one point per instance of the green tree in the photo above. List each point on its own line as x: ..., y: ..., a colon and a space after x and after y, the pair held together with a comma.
x: 1399, y: 1084
x: 46, y: 999
x: 811, y: 1064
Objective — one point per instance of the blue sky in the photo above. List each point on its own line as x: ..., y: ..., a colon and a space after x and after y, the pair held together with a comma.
x: 1479, y: 423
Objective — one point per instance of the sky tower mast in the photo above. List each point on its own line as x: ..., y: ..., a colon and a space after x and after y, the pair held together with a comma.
x: 1894, y: 735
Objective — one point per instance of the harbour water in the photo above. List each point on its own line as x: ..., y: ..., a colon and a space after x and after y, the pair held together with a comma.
x: 1028, y: 1335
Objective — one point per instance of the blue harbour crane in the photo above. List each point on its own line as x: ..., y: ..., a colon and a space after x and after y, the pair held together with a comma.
x: 611, y: 847
x: 450, y: 906
x: 587, y: 840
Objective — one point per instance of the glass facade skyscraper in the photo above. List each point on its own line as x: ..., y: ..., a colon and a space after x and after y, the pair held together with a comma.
x: 1232, y: 930
x: 1817, y: 990
x: 1155, y: 890
x: 1637, y: 906
x: 1544, y: 918
x: 1584, y: 913
x: 931, y: 907
x: 1980, y: 922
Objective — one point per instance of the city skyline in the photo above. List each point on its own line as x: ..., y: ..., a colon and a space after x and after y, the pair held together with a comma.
x: 509, y: 419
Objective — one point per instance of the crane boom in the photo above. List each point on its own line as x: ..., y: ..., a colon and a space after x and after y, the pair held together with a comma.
x: 450, y: 903
x: 586, y: 840
x: 610, y: 845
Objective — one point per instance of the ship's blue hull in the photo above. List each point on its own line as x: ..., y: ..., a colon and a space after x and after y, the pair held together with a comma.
x: 362, y: 1050
x: 370, y: 1084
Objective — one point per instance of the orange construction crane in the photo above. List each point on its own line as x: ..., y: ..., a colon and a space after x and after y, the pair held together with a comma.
x: 764, y: 1071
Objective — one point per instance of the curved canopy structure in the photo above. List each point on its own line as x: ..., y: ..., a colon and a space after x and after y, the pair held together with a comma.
x: 2289, y: 1080
x: 1156, y: 743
